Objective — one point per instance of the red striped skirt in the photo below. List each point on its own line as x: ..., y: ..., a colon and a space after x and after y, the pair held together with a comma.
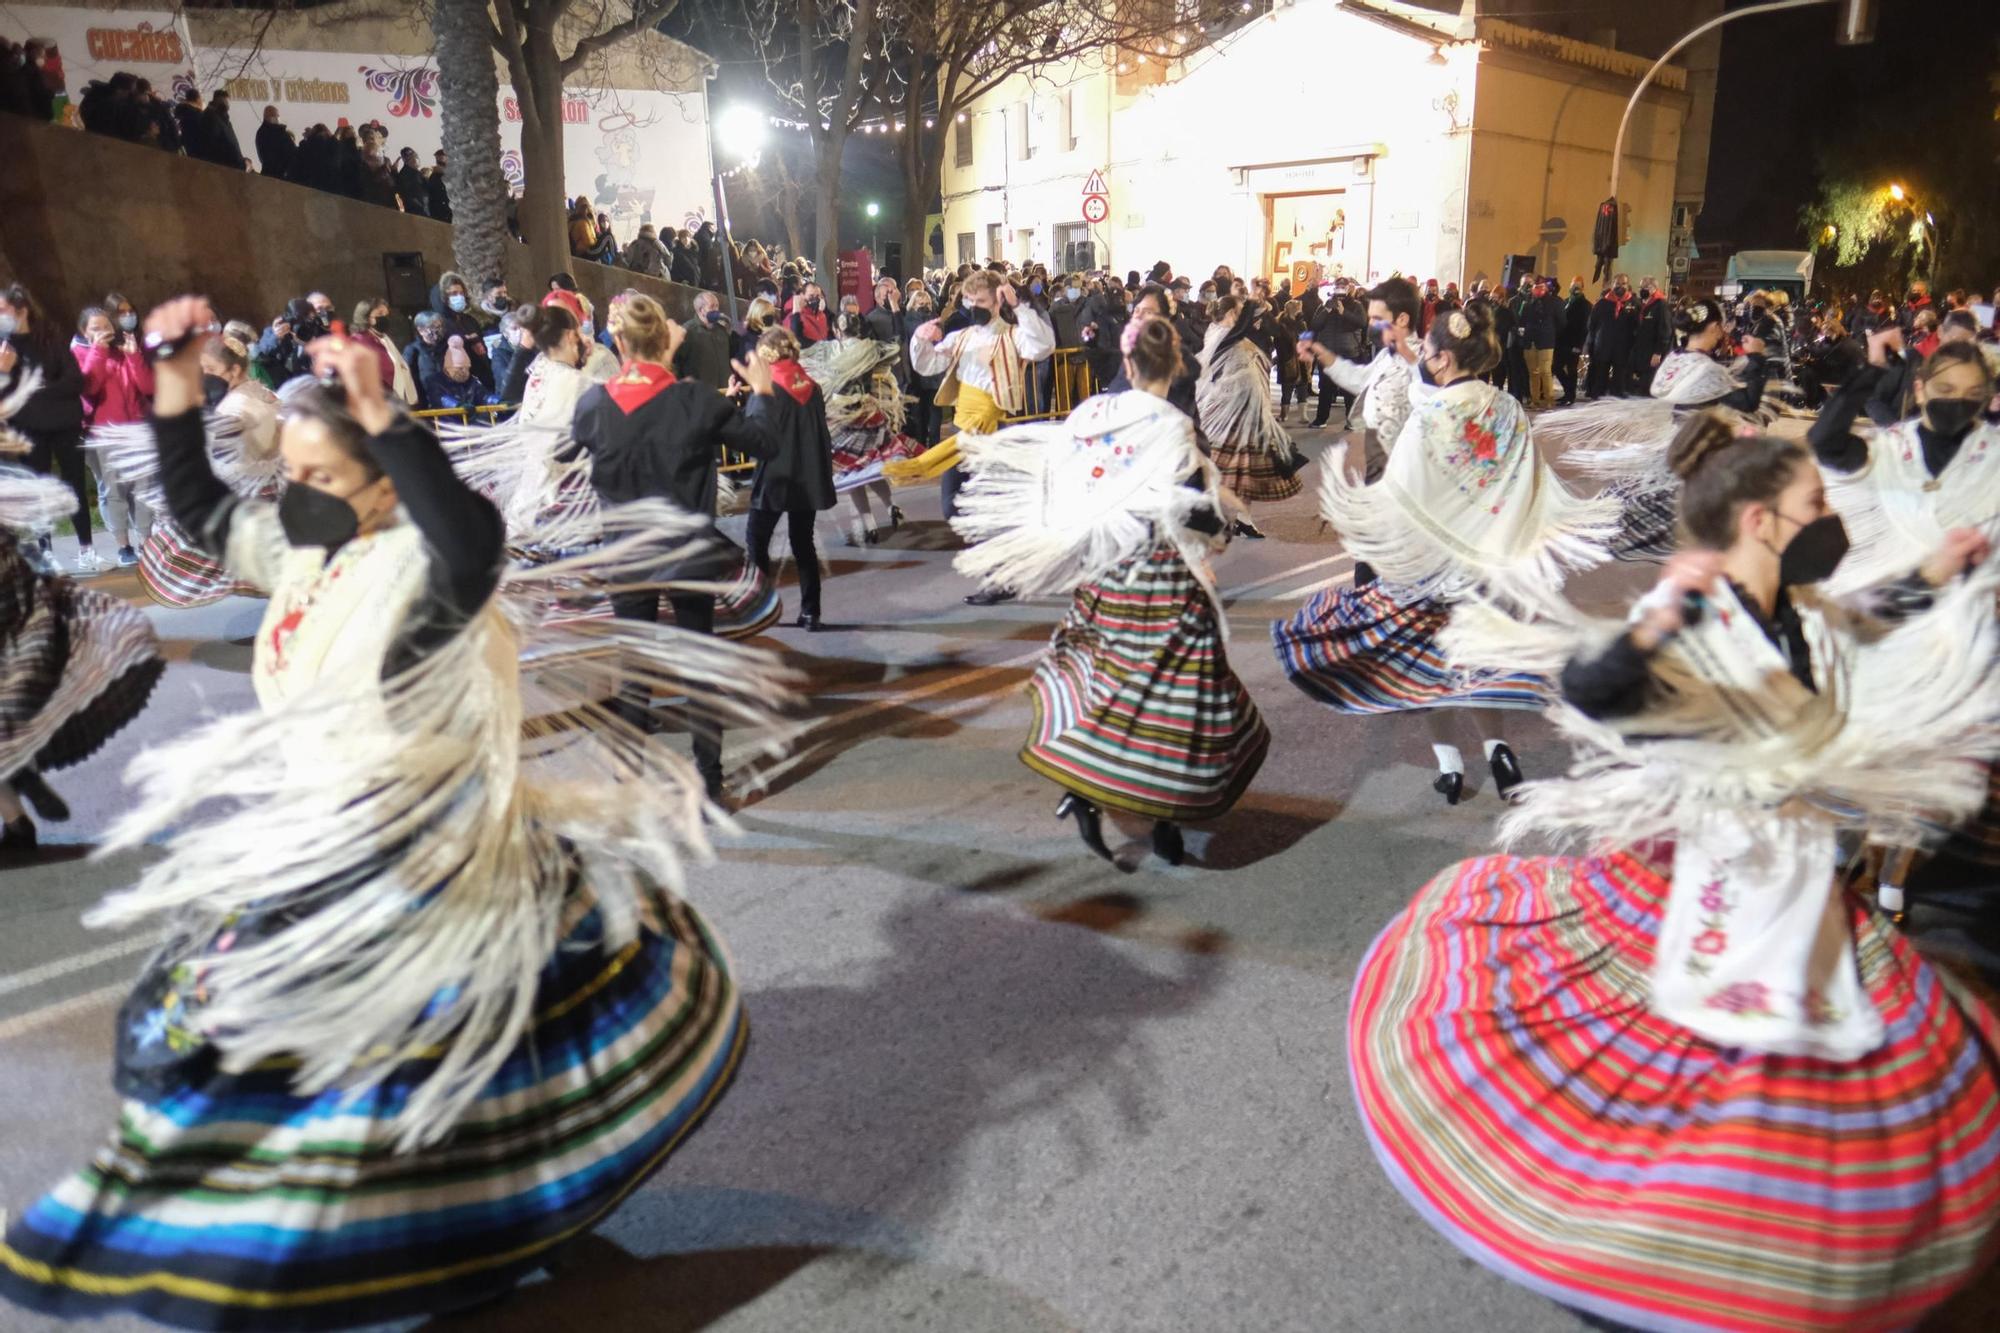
x: 176, y: 574
x: 1359, y: 650
x: 1135, y: 705
x: 1524, y: 1098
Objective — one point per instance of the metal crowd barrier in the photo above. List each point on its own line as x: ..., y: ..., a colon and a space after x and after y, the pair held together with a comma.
x: 465, y: 415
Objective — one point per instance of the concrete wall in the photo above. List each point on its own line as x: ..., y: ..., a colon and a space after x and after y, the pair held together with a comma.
x: 81, y: 214
x: 1541, y: 163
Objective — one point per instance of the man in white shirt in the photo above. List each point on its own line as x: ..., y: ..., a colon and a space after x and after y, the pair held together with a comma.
x: 1383, y: 384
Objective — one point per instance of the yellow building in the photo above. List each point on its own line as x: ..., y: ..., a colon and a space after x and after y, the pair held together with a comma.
x: 1364, y: 138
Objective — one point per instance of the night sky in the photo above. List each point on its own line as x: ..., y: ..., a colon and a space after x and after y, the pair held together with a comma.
x: 1784, y: 82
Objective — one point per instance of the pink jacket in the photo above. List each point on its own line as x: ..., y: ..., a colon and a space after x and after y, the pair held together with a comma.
x: 118, y: 385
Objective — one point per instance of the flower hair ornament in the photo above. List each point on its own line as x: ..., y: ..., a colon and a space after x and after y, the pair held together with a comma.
x: 1130, y: 337
x: 1458, y: 325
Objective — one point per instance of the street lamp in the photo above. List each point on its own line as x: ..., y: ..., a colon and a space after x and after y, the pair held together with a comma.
x: 874, y: 211
x: 1896, y: 192
x: 739, y: 131
x: 1901, y: 196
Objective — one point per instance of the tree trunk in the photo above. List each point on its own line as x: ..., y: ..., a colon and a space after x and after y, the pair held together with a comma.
x: 544, y: 207
x: 923, y: 176
x: 828, y: 148
x: 469, y: 98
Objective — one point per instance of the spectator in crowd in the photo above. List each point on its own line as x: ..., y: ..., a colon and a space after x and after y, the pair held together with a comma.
x: 885, y: 322
x: 847, y: 321
x: 425, y: 354
x: 378, y: 177
x: 808, y: 322
x: 276, y: 149
x: 451, y: 300
x: 281, y: 352
x: 646, y: 255
x: 1569, y: 344
x: 51, y: 419
x: 440, y: 201
x: 156, y: 118
x: 684, y: 262
x: 246, y: 337
x: 453, y: 384
x: 1652, y: 336
x: 193, y: 126
x: 27, y: 86
x: 705, y: 353
x: 607, y: 244
x: 583, y: 241
x: 1612, y: 324
x: 313, y: 163
x: 223, y: 149
x: 371, y: 324
x: 410, y: 187
x: 117, y: 391
x: 347, y: 162
x: 323, y: 313
x: 493, y: 298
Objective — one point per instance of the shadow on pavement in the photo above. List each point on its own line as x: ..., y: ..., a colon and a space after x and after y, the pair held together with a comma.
x: 1261, y: 826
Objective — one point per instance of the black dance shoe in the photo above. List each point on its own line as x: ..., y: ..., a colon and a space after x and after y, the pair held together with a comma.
x: 1506, y: 772
x: 895, y: 517
x: 1245, y: 528
x: 1167, y: 844
x: 1089, y: 825
x: 1364, y: 573
x: 37, y: 792
x: 1451, y: 786
x: 991, y: 597
x: 808, y: 621
x: 17, y: 840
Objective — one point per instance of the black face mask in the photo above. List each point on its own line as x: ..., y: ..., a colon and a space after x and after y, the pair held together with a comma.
x: 214, y: 389
x: 1814, y: 552
x: 1951, y: 417
x: 1424, y: 371
x: 717, y: 317
x: 980, y: 315
x: 813, y: 304
x: 311, y: 517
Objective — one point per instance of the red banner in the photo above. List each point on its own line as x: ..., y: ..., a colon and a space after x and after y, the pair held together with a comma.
x: 857, y: 278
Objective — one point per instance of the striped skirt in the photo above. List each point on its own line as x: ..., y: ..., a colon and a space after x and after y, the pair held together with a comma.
x: 178, y: 575
x: 232, y: 1202
x: 1648, y: 519
x: 873, y: 446
x: 1526, y: 1101
x: 1359, y: 650
x: 1135, y: 705
x: 1255, y: 474
x: 75, y: 666
x: 748, y: 605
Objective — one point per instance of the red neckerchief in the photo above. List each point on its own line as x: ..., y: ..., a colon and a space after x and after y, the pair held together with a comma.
x: 792, y: 378
x: 639, y: 383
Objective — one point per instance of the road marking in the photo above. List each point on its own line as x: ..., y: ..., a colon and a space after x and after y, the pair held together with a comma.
x: 62, y: 967
x: 34, y: 1019
x: 1237, y: 594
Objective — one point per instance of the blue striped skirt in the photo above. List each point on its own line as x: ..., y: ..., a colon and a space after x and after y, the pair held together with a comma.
x: 1359, y: 650
x: 230, y: 1201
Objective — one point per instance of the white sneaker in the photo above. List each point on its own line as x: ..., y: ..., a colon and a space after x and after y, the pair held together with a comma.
x: 88, y: 561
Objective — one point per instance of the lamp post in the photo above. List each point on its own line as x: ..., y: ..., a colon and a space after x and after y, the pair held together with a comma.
x: 874, y: 211
x: 739, y: 132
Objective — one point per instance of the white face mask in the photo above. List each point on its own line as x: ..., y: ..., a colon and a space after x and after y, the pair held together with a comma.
x: 1072, y: 292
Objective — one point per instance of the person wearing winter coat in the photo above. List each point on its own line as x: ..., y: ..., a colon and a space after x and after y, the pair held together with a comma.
x: 1613, y: 322
x: 117, y: 390
x: 275, y: 146
x: 51, y: 419
x: 645, y: 254
x: 1652, y: 337
x: 410, y: 186
x: 1570, y: 343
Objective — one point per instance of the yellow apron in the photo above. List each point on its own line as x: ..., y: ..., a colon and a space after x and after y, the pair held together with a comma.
x: 975, y: 413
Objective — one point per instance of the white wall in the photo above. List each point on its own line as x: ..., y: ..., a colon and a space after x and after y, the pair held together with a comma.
x: 1296, y: 87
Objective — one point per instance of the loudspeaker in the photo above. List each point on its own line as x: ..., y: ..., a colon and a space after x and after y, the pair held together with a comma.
x: 406, y: 282
x: 892, y: 260
x: 1516, y: 268
x: 1079, y: 256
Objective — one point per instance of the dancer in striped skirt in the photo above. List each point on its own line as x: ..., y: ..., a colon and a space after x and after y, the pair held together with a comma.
x: 428, y: 1006
x: 1136, y: 708
x: 1251, y: 448
x: 864, y: 413
x: 1623, y: 441
x: 1687, y: 1081
x: 242, y: 448
x: 1466, y: 507
x: 75, y: 664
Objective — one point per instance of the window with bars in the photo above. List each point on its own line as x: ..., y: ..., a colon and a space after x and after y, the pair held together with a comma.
x: 961, y: 144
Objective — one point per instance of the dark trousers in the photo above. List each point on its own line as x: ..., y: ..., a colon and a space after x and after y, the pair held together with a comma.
x: 949, y: 485
x: 694, y: 612
x: 1639, y: 375
x: 64, y: 457
x: 1516, y: 364
x: 799, y: 526
x: 920, y: 417
x: 1328, y: 391
x: 1566, y: 359
x: 1602, y: 269
x: 1607, y: 375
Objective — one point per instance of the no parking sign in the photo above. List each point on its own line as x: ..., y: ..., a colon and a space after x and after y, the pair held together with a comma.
x: 1096, y: 199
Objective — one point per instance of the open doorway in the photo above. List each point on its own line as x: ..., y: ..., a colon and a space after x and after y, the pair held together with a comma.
x: 1311, y: 228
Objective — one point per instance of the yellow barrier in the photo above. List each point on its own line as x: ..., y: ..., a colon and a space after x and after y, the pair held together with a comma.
x: 464, y: 415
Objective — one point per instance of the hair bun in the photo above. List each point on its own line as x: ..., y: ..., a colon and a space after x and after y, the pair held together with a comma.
x: 1700, y: 439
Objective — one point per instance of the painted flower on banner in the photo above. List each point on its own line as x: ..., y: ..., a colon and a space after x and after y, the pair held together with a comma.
x: 411, y: 92
x: 695, y: 218
x: 511, y: 168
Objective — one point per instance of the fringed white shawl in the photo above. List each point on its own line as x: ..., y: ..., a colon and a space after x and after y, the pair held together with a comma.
x: 410, y: 845
x: 30, y: 503
x: 1233, y: 396
x: 1050, y: 505
x: 1752, y: 776
x: 858, y: 379
x: 1468, y: 503
x: 15, y: 399
x: 242, y: 451
x: 1622, y: 439
x: 1896, y: 513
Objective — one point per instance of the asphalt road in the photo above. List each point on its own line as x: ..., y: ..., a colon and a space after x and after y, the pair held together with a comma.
x: 993, y: 1083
